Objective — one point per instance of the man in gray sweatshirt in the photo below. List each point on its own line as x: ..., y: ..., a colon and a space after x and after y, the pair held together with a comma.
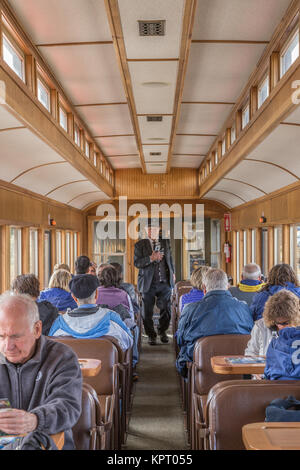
x: 41, y: 378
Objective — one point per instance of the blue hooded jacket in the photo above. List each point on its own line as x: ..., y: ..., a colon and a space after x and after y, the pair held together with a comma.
x: 60, y: 298
x: 260, y: 298
x: 283, y: 356
x: 218, y: 313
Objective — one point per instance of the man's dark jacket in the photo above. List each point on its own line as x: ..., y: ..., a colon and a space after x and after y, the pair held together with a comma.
x: 48, y: 385
x: 142, y: 253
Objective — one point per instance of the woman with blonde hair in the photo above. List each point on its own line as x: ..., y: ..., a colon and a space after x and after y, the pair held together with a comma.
x: 196, y: 293
x: 58, y: 292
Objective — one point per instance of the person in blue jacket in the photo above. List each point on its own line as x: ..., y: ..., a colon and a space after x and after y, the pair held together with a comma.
x: 218, y: 313
x: 58, y: 292
x: 281, y: 276
x: 282, y: 314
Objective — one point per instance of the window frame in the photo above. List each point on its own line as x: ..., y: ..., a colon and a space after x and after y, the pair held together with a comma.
x: 19, y: 52
x: 62, y: 109
x: 260, y: 87
x: 244, y: 109
x: 47, y: 88
x: 285, y: 49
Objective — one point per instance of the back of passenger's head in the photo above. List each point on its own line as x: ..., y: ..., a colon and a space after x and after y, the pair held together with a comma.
x: 282, y: 307
x: 60, y: 279
x: 280, y: 274
x: 82, y: 264
x: 215, y: 279
x: 62, y: 266
x: 101, y: 267
x: 197, y: 277
x: 109, y: 277
x: 16, y: 304
x: 84, y: 287
x: 26, y: 284
x: 118, y: 267
x: 251, y: 271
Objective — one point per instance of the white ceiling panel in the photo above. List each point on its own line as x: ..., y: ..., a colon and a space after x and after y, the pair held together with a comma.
x: 156, y: 167
x: 7, y: 120
x: 238, y: 19
x: 107, y: 120
x: 228, y: 200
x: 244, y: 191
x: 118, y: 145
x: 89, y: 74
x: 155, y: 130
x: 202, y: 118
x: 218, y: 72
x: 44, y: 179
x: 192, y: 144
x: 154, y: 99
x: 262, y: 175
x: 162, y: 149
x: 282, y: 148
x: 21, y: 150
x: 61, y: 21
x: 83, y: 201
x: 186, y: 161
x: 142, y: 47
x: 120, y: 163
x: 67, y: 193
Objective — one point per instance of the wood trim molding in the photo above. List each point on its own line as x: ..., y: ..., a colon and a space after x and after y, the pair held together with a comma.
x: 113, y: 14
x: 63, y: 185
x: 87, y: 105
x: 227, y: 41
x: 186, y: 38
x: 87, y: 43
x: 34, y: 168
x: 273, y: 164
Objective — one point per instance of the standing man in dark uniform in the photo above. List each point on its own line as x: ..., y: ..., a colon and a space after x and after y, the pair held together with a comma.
x: 153, y: 258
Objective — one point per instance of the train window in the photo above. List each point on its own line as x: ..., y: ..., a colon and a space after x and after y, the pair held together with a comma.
x: 14, y: 59
x: 263, y: 91
x: 34, y: 251
x: 264, y: 253
x: 63, y: 118
x: 245, y: 116
x: 245, y: 247
x: 68, y: 248
x: 215, y: 260
x: 58, y: 236
x: 87, y: 149
x: 47, y: 257
x: 15, y: 252
x: 232, y: 134
x: 237, y: 234
x: 223, y: 146
x: 77, y: 135
x: 278, y: 245
x: 295, y: 248
x: 75, y: 245
x: 95, y: 159
x: 108, y: 250
x: 290, y: 53
x: 43, y: 94
x: 253, y: 246
x: 216, y: 158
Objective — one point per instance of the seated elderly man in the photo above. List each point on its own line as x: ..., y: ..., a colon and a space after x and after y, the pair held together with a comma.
x: 40, y: 378
x: 218, y: 313
x: 250, y: 284
x: 89, y: 320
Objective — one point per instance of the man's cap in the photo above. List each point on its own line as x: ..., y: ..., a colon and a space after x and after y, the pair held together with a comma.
x: 82, y: 286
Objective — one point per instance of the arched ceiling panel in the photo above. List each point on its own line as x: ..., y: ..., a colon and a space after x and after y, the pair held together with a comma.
x: 7, y: 120
x: 262, y: 175
x: 22, y: 150
x: 282, y: 148
x: 247, y: 193
x: 69, y: 192
x: 44, y: 179
x: 84, y: 200
x: 225, y: 198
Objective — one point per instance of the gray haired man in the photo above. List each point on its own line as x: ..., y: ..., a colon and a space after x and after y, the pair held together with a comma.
x: 251, y: 283
x: 40, y: 378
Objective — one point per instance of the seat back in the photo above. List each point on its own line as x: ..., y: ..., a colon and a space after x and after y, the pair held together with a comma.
x: 231, y: 405
x: 85, y: 430
x: 220, y: 345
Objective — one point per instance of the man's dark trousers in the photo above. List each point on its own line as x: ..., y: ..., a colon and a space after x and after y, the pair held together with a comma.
x: 162, y: 291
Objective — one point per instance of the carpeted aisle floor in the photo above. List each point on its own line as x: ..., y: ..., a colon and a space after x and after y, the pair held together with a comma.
x: 157, y: 420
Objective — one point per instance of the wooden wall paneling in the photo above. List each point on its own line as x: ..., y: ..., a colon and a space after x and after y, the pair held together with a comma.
x: 274, y: 69
x: 270, y: 247
x: 219, y: 150
x: 25, y: 250
x: 253, y: 101
x: 286, y: 243
x: 258, y: 246
x: 238, y: 123
x: 53, y: 249
x: 228, y: 139
x: 54, y: 103
x: 5, y: 261
x: 249, y: 246
x: 30, y: 73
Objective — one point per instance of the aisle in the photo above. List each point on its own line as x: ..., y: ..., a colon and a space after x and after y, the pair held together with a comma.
x: 157, y: 420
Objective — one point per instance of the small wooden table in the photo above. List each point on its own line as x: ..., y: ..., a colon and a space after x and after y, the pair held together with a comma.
x: 271, y: 436
x: 90, y: 367
x: 220, y: 365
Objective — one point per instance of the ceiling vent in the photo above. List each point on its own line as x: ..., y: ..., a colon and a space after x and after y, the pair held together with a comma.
x: 152, y: 28
x: 155, y: 154
x: 154, y: 118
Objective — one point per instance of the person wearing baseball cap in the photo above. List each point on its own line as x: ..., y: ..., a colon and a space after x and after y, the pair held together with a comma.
x: 89, y: 320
